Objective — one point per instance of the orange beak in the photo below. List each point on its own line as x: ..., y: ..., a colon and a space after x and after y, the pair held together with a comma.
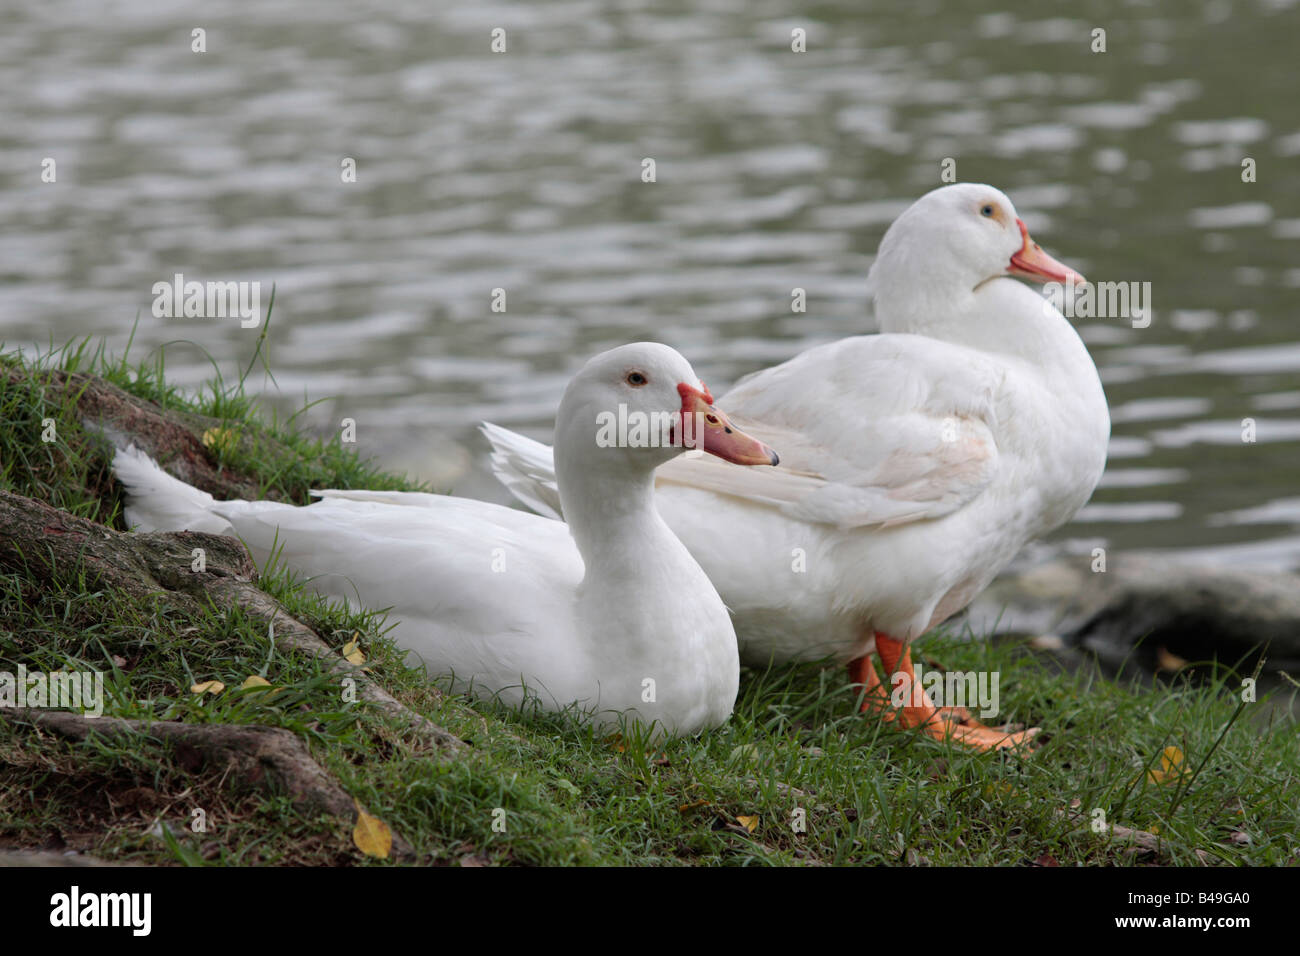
x: 708, y: 429
x: 1032, y: 263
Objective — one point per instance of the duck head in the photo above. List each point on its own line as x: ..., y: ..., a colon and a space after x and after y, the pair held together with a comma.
x: 641, y: 405
x: 949, y: 244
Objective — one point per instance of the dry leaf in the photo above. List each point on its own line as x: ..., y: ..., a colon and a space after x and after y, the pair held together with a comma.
x: 208, y: 687
x: 254, y: 681
x: 1171, y: 767
x: 352, y: 653
x: 1166, y: 660
x: 991, y: 790
x: 749, y: 823
x: 371, y: 835
x: 221, y: 439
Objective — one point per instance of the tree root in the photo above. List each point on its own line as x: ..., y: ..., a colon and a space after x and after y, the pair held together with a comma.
x: 269, y: 758
x: 1129, y: 840
x: 58, y: 546
x: 170, y: 436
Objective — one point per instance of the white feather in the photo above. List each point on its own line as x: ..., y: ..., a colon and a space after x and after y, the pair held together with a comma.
x: 623, y: 622
x: 914, y: 463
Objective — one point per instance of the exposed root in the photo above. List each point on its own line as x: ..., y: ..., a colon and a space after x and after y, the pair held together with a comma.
x: 269, y: 758
x: 57, y: 546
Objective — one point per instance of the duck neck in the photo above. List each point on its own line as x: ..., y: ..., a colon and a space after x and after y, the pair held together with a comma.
x: 1001, y: 315
x: 608, y: 515
x: 607, y: 496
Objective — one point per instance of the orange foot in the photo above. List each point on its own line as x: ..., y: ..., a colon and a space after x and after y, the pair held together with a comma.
x: 941, y: 723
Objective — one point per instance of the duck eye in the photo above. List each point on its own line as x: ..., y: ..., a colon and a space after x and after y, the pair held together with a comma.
x: 987, y: 211
x: 636, y: 379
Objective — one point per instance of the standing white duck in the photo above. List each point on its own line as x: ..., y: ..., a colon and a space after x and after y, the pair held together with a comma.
x: 915, y: 463
x: 618, y: 618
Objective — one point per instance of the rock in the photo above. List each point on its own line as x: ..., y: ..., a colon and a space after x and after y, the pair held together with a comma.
x: 1152, y: 612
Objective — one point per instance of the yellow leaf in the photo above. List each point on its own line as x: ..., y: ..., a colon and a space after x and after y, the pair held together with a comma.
x: 208, y: 687
x: 352, y: 653
x: 999, y: 787
x: 1170, y: 766
x: 749, y: 823
x: 221, y: 439
x: 254, y: 681
x: 1167, y: 660
x: 371, y: 835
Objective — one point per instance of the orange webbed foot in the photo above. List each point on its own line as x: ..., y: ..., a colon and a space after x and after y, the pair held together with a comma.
x: 954, y: 724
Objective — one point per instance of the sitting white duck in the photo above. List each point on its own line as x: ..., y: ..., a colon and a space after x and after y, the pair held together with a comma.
x: 915, y: 462
x: 610, y: 613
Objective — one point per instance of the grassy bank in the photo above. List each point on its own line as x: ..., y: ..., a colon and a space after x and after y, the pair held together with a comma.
x: 795, y: 777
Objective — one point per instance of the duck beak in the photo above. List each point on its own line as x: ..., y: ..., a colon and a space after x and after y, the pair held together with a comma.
x: 707, y: 428
x: 1032, y: 263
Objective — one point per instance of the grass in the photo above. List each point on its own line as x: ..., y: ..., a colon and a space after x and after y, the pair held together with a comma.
x: 796, y: 777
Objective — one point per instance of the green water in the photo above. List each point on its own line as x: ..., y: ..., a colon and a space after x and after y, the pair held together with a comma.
x: 775, y: 169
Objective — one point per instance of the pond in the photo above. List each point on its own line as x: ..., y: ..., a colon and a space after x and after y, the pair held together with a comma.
x: 774, y: 169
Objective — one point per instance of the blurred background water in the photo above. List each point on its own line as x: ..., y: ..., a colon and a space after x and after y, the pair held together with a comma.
x: 775, y: 170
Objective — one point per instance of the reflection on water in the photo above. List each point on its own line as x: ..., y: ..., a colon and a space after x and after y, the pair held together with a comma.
x: 775, y: 170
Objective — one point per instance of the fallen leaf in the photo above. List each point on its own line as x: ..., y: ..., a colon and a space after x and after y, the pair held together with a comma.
x: 371, y: 835
x: 749, y: 823
x: 352, y: 653
x: 1166, y: 660
x: 221, y: 439
x: 991, y: 790
x: 208, y: 687
x: 1171, y: 768
x: 254, y: 681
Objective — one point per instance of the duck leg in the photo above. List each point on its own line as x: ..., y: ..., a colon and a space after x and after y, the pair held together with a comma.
x: 875, y: 699
x: 920, y: 711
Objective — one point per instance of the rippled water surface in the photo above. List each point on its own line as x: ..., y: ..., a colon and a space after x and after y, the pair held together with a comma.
x: 775, y: 169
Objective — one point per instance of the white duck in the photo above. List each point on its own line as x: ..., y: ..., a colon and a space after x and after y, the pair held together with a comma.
x: 618, y: 618
x: 915, y: 462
